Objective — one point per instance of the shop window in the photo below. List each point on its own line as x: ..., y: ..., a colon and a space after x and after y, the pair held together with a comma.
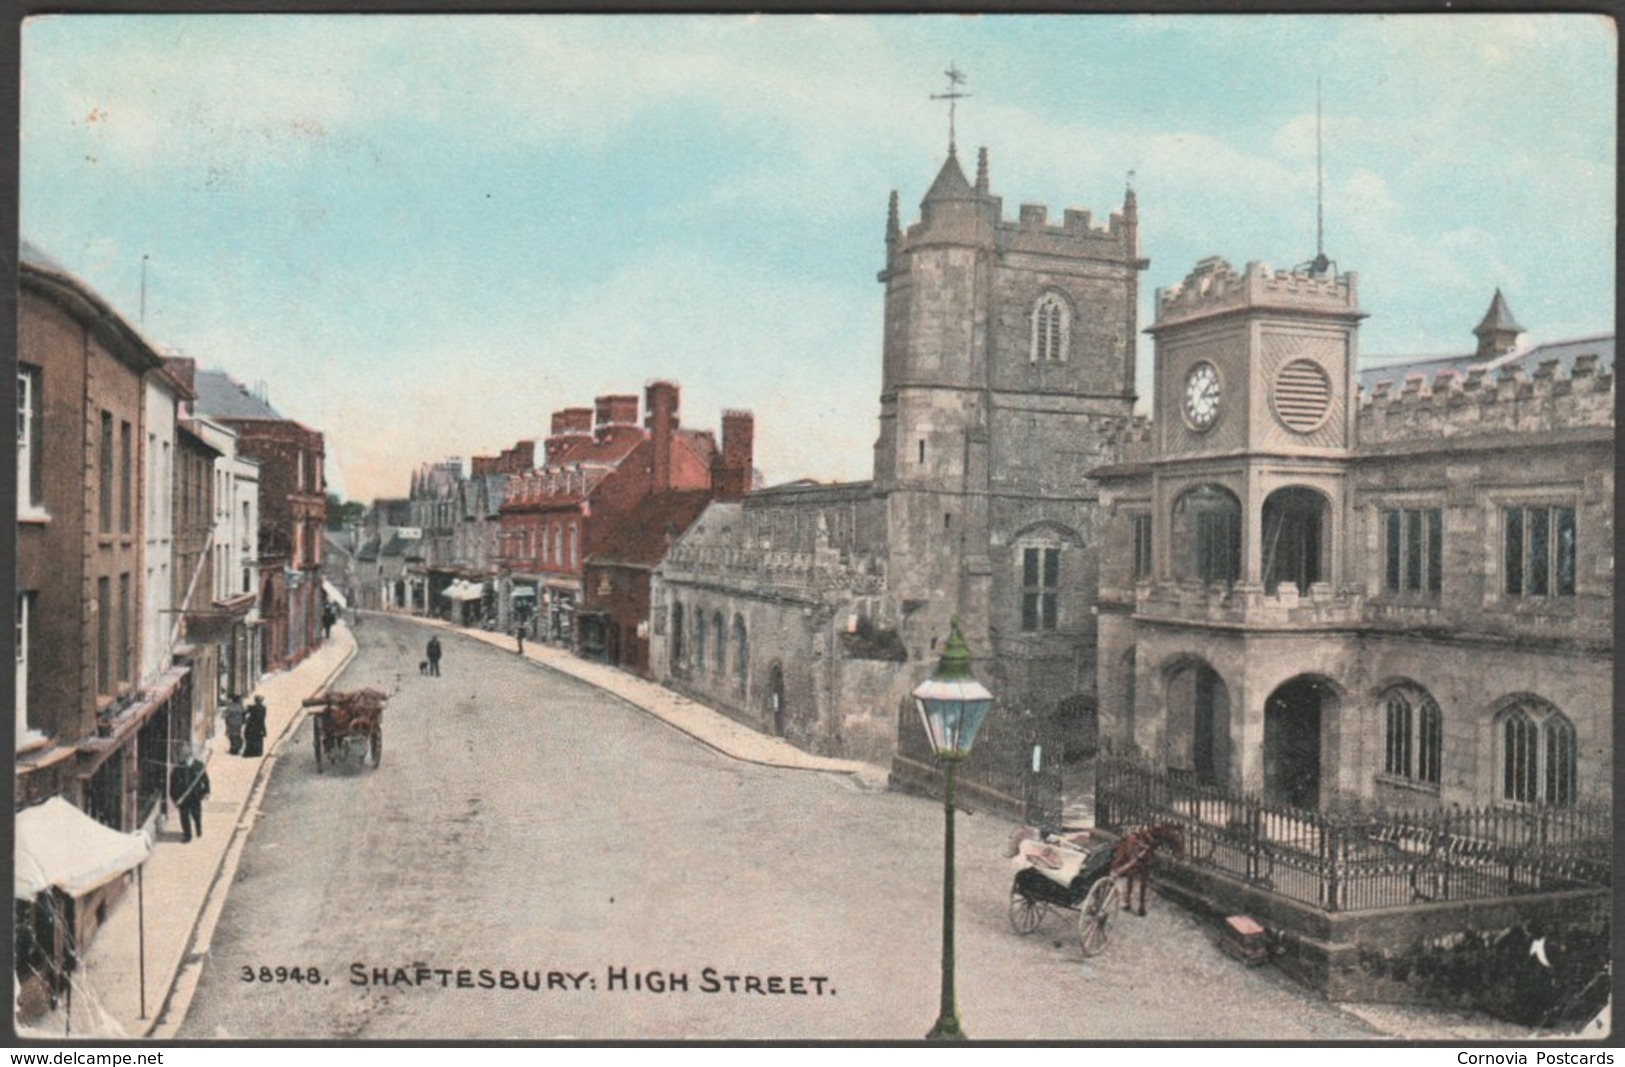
x: 1539, y: 550
x: 1414, y: 735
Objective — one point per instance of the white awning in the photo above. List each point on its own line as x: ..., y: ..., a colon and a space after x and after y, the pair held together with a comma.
x: 333, y: 595
x: 59, y: 845
x: 461, y: 590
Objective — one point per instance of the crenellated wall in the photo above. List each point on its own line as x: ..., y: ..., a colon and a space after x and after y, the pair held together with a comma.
x: 1479, y: 402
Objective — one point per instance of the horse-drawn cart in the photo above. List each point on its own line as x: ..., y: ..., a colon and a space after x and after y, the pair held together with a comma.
x: 1080, y: 872
x: 346, y: 723
x: 1068, y: 871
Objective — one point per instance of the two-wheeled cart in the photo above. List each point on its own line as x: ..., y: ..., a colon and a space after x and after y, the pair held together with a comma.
x: 347, y: 725
x: 1070, y: 871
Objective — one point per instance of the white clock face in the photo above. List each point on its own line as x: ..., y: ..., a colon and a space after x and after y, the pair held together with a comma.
x: 1202, y: 396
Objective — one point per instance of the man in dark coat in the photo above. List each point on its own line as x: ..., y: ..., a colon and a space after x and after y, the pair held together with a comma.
x: 254, y: 728
x: 235, y: 718
x: 434, y: 656
x: 188, y: 788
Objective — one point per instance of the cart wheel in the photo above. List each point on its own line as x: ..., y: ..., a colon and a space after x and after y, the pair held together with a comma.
x: 1025, y: 912
x: 1098, y: 908
x: 376, y: 745
x: 316, y: 735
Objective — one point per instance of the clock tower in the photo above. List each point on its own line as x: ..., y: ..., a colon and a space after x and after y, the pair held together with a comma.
x: 1255, y: 413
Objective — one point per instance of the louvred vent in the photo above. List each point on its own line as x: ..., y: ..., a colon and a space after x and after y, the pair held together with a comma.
x: 1303, y: 395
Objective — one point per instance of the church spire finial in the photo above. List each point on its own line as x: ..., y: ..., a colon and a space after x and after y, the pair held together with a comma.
x: 956, y: 78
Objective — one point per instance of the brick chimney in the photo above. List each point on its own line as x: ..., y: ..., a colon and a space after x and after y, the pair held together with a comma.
x: 618, y: 410
x: 660, y: 419
x: 732, y: 469
x: 570, y: 427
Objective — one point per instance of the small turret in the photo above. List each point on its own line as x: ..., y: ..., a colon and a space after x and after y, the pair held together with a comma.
x: 981, y: 171
x: 893, y: 228
x: 1498, y: 332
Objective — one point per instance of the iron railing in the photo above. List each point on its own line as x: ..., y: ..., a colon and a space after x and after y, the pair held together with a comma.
x: 1351, y: 861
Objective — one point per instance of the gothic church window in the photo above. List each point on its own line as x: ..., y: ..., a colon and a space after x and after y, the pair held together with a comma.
x: 1539, y: 755
x: 1142, y: 546
x: 741, y: 652
x: 722, y: 646
x: 1051, y: 329
x: 1413, y: 734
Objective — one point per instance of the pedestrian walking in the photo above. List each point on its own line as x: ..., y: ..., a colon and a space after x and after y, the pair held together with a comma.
x: 434, y: 656
x: 188, y: 788
x: 235, y: 717
x: 254, y: 729
x: 519, y: 635
x: 330, y: 615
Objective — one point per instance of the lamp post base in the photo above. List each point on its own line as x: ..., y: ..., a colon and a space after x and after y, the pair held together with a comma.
x: 947, y: 1029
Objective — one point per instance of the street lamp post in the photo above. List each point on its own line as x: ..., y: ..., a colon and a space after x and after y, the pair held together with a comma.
x: 952, y: 705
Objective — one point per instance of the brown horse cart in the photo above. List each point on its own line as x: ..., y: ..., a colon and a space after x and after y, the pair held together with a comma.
x: 343, y: 723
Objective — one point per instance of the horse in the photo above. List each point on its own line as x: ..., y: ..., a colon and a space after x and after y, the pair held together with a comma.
x: 1135, y: 855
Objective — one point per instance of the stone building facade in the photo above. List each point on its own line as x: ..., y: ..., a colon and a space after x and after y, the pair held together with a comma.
x: 1007, y: 370
x: 1328, y: 597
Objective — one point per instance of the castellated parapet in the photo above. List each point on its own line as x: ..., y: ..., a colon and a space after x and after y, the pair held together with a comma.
x: 1214, y: 286
x: 1479, y: 402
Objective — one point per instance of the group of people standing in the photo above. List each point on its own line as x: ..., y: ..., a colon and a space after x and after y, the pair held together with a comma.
x: 245, y: 727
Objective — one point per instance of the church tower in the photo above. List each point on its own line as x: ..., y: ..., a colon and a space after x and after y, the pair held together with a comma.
x: 1008, y: 363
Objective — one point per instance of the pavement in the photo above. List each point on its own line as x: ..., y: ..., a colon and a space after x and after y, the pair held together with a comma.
x: 155, y: 936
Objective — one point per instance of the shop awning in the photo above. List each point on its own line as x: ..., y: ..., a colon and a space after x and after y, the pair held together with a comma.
x: 524, y: 592
x: 461, y: 590
x: 59, y: 845
x: 333, y: 595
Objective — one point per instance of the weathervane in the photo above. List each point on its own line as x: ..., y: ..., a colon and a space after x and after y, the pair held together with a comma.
x: 956, y: 78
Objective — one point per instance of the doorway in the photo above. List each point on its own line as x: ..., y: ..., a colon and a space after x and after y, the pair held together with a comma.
x: 775, y: 698
x: 1292, y: 718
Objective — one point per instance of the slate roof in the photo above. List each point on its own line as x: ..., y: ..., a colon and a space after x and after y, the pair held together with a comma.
x: 1527, y: 359
x: 224, y: 397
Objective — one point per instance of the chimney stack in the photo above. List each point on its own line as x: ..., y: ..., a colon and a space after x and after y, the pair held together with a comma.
x: 660, y: 419
x: 732, y: 470
x: 570, y: 427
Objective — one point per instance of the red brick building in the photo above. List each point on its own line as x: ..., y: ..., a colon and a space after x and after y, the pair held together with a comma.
x: 598, y: 465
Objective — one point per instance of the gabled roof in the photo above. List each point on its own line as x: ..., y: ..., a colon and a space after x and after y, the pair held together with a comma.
x: 224, y: 397
x: 639, y: 538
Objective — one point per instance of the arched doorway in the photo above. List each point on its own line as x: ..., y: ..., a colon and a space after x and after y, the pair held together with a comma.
x: 775, y: 698
x: 1199, y: 722
x: 1292, y: 721
x: 1295, y: 532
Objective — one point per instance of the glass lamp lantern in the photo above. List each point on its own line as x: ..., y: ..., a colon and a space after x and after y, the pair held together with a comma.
x: 952, y: 703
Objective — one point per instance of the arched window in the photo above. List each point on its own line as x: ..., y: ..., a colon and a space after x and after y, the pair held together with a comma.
x: 1413, y: 732
x: 1051, y: 329
x: 677, y: 648
x: 1539, y: 755
x: 1295, y: 534
x: 1205, y: 535
x: 722, y: 646
x: 741, y: 652
x: 699, y: 640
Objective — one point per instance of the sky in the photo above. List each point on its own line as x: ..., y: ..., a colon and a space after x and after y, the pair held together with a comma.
x: 425, y: 234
